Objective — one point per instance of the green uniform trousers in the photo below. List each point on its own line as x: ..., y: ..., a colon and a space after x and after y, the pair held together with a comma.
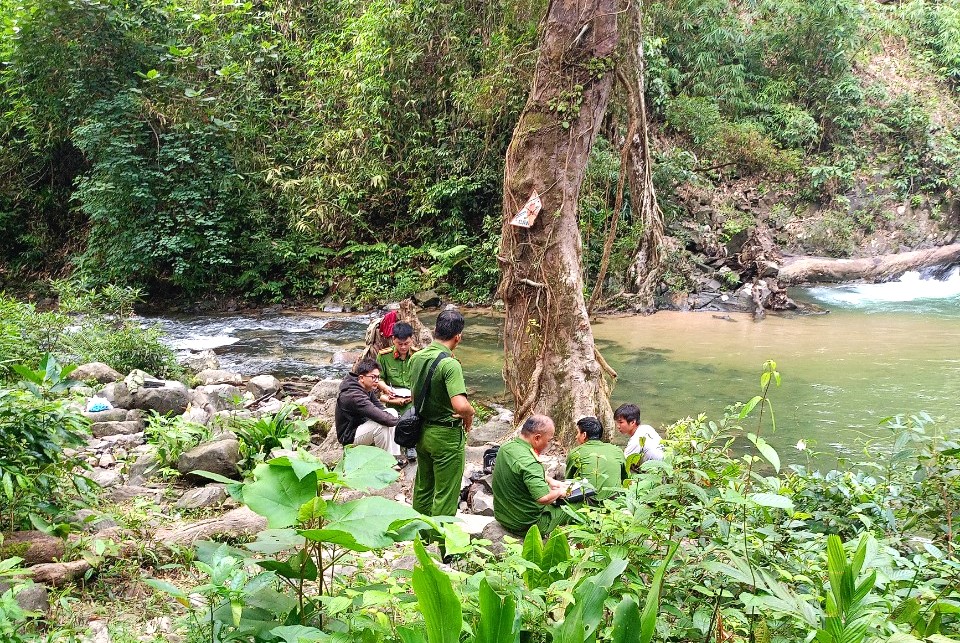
x: 440, y: 462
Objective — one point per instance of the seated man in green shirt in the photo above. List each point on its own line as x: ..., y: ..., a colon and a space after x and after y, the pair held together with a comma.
x: 523, y: 494
x: 599, y: 463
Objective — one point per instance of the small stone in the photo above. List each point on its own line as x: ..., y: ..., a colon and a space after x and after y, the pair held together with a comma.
x: 220, y: 457
x: 216, y: 397
x: 325, y: 389
x: 482, y: 503
x: 106, y: 460
x: 263, y: 385
x: 216, y: 376
x: 112, y: 415
x: 209, y: 496
x: 106, y: 478
x: 104, y: 429
x: 132, y: 439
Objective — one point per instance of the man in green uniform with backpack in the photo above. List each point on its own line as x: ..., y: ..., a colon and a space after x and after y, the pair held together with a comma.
x: 447, y: 416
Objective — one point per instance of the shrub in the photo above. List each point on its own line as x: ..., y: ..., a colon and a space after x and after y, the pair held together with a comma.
x: 173, y: 436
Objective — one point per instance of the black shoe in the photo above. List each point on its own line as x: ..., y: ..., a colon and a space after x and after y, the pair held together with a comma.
x: 412, y: 454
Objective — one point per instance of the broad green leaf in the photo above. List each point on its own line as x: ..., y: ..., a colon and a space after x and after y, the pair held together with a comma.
x: 277, y: 494
x: 940, y: 638
x: 585, y: 613
x: 648, y: 620
x: 498, y: 620
x: 766, y: 450
x: 626, y: 621
x: 299, y: 634
x: 361, y: 524
x: 410, y: 635
x: 455, y: 539
x: 748, y: 407
x: 314, y: 508
x: 365, y: 467
x: 774, y: 500
x: 442, y: 613
x: 273, y: 541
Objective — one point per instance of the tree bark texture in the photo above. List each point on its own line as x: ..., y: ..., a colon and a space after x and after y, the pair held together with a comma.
x: 823, y: 269
x: 551, y: 364
x: 647, y: 266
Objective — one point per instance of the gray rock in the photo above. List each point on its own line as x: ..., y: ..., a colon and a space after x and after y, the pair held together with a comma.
x: 199, y: 360
x: 222, y: 435
x: 106, y: 478
x: 117, y: 394
x: 124, y: 493
x: 98, y: 371
x: 144, y: 467
x: 113, y: 415
x: 30, y: 598
x: 197, y: 415
x: 262, y: 385
x: 134, y: 415
x: 172, y: 397
x: 234, y: 414
x: 325, y: 390
x: 215, y: 376
x: 492, y: 431
x: 125, y: 441
x: 482, y: 503
x: 219, y: 457
x: 209, y: 496
x: 106, y: 460
x: 427, y: 299
x: 93, y: 522
x: 269, y: 407
x: 495, y: 533
x: 82, y: 390
x: 331, y: 306
x: 104, y: 429
x: 216, y: 397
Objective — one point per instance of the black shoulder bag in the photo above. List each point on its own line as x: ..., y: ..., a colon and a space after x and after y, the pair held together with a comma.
x: 408, y: 429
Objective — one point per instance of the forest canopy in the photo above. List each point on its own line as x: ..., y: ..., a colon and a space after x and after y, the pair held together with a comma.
x: 285, y: 150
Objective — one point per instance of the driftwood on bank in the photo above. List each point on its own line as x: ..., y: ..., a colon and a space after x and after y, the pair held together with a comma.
x: 823, y: 269
x: 58, y: 574
x: 237, y: 522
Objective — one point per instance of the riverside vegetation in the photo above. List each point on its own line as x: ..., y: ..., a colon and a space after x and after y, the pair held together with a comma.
x: 718, y: 542
x: 282, y: 150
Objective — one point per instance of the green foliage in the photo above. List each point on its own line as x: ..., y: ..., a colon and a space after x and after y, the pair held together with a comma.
x: 259, y: 436
x: 173, y: 436
x: 35, y: 427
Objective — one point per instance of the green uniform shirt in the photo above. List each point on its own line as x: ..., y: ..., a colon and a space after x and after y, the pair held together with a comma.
x: 518, y: 481
x: 395, y: 372
x: 447, y: 383
x: 601, y: 463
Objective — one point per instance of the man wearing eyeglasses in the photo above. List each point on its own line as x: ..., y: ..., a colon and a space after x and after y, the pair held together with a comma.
x: 360, y: 417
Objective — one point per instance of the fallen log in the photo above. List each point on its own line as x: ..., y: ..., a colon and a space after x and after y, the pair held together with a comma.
x: 235, y: 523
x: 58, y: 574
x: 33, y: 547
x: 797, y: 270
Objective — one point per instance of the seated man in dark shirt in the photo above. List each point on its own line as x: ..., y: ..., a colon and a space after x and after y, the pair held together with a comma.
x: 360, y: 417
x: 523, y: 494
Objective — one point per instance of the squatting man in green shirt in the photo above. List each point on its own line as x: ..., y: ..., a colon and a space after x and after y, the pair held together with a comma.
x: 447, y: 416
x: 395, y: 390
x: 523, y: 493
x: 600, y: 463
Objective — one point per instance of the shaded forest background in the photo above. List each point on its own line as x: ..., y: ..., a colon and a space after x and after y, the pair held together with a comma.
x: 303, y: 149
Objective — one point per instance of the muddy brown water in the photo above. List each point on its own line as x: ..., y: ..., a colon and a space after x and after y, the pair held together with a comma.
x: 883, y: 350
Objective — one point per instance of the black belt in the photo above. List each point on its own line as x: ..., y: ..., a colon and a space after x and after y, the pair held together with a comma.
x: 451, y: 423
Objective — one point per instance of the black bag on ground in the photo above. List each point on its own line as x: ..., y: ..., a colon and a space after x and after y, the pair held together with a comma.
x: 410, y: 426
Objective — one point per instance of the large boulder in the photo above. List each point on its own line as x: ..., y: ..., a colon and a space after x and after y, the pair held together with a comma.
x: 325, y: 390
x: 215, y: 376
x: 495, y: 533
x: 216, y: 397
x: 197, y: 361
x: 113, y: 415
x: 30, y: 598
x: 263, y: 385
x: 117, y: 394
x: 103, y: 429
x: 493, y: 431
x: 170, y: 397
x: 96, y: 371
x: 219, y: 457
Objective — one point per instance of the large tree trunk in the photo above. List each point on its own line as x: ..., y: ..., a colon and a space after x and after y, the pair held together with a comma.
x: 647, y: 266
x: 551, y: 364
x: 822, y: 269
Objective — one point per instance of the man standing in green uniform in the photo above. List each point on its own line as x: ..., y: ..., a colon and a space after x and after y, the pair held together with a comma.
x: 395, y: 372
x: 599, y: 463
x: 523, y: 494
x: 447, y: 415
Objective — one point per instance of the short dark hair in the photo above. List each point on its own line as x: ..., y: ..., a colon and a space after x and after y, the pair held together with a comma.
x: 449, y: 325
x: 365, y: 366
x: 591, y: 426
x: 535, y: 424
x: 628, y: 412
x: 402, y: 330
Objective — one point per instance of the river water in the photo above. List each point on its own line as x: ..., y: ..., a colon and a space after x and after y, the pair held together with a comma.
x: 882, y: 350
